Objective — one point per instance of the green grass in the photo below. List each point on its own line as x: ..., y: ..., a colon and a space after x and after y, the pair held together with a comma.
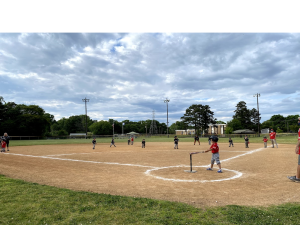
x: 29, y: 203
x: 281, y: 139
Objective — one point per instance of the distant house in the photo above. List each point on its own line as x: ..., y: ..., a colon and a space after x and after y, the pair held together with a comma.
x: 244, y: 131
x: 265, y: 131
x: 77, y: 135
x: 212, y: 129
x: 185, y: 132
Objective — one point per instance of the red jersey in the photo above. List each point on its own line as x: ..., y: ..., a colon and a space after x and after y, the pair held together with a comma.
x: 265, y: 139
x: 273, y: 135
x: 214, y: 148
x: 299, y: 134
x: 3, y: 144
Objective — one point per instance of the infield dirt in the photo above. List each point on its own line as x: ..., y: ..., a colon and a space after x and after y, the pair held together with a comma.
x: 254, y: 176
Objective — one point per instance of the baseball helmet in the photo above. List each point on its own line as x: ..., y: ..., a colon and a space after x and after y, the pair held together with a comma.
x: 214, y: 138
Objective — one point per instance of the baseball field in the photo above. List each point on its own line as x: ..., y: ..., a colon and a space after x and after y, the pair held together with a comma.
x: 254, y: 176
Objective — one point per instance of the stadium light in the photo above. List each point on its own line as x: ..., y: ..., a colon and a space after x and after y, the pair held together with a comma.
x: 257, y: 95
x: 85, y: 100
x: 167, y: 101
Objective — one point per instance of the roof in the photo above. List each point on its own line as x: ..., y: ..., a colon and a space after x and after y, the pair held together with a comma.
x: 245, y: 131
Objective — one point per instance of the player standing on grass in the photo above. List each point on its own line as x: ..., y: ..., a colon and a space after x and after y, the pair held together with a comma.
x: 196, y: 139
x: 297, y: 151
x: 214, y: 148
x: 176, y: 142
x: 273, y: 138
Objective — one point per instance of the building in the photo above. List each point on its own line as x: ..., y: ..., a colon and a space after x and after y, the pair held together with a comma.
x: 212, y: 129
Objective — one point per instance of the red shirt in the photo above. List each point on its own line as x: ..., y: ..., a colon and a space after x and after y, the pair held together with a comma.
x: 3, y: 144
x: 273, y: 135
x: 265, y: 139
x: 299, y: 134
x: 214, y: 148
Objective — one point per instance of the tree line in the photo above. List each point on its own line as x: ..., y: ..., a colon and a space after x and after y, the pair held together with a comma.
x: 32, y: 120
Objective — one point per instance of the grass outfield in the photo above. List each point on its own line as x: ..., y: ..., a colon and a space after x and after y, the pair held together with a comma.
x: 281, y: 139
x: 29, y: 203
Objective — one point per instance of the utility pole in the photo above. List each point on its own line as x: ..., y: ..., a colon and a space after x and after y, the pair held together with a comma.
x: 85, y: 100
x: 257, y: 95
x: 167, y: 101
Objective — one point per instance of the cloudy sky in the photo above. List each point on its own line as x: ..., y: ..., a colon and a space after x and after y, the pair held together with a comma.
x: 129, y: 75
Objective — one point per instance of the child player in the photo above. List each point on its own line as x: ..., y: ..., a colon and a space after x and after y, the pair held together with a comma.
x: 265, y: 141
x: 143, y: 143
x: 94, y: 143
x: 297, y: 151
x: 128, y: 141
x: 112, y: 143
x: 273, y: 138
x: 214, y: 148
x: 3, y: 145
x: 176, y: 142
x: 196, y: 139
x: 230, y: 142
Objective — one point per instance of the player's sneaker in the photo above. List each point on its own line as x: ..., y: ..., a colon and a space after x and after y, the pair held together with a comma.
x: 293, y: 178
x: 220, y: 171
x: 209, y: 169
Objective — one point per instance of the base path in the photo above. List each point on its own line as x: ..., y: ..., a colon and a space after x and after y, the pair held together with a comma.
x: 254, y: 176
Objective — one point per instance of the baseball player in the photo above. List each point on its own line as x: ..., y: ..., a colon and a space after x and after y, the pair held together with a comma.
x: 273, y: 138
x: 176, y: 142
x: 246, y: 141
x: 94, y: 143
x: 143, y: 143
x: 230, y: 142
x: 214, y: 148
x: 297, y: 151
x: 196, y: 139
x: 265, y: 141
x: 3, y: 145
x: 112, y: 143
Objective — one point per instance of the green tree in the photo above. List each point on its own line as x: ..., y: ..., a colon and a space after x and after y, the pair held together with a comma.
x: 101, y: 128
x: 199, y: 116
x: 234, y: 124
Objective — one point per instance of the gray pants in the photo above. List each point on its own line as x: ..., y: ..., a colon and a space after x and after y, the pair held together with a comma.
x: 94, y: 146
x: 209, y: 142
x: 215, y: 158
x: 230, y: 143
x: 274, y: 142
x: 265, y: 144
x: 246, y: 144
x: 176, y: 146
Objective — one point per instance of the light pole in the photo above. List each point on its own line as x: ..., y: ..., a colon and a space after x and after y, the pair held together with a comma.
x: 85, y: 100
x: 257, y: 95
x: 167, y: 101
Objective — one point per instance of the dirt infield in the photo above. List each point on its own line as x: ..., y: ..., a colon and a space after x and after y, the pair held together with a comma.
x: 254, y: 176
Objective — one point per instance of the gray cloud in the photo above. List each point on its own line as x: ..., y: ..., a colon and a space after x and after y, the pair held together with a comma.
x: 128, y: 75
